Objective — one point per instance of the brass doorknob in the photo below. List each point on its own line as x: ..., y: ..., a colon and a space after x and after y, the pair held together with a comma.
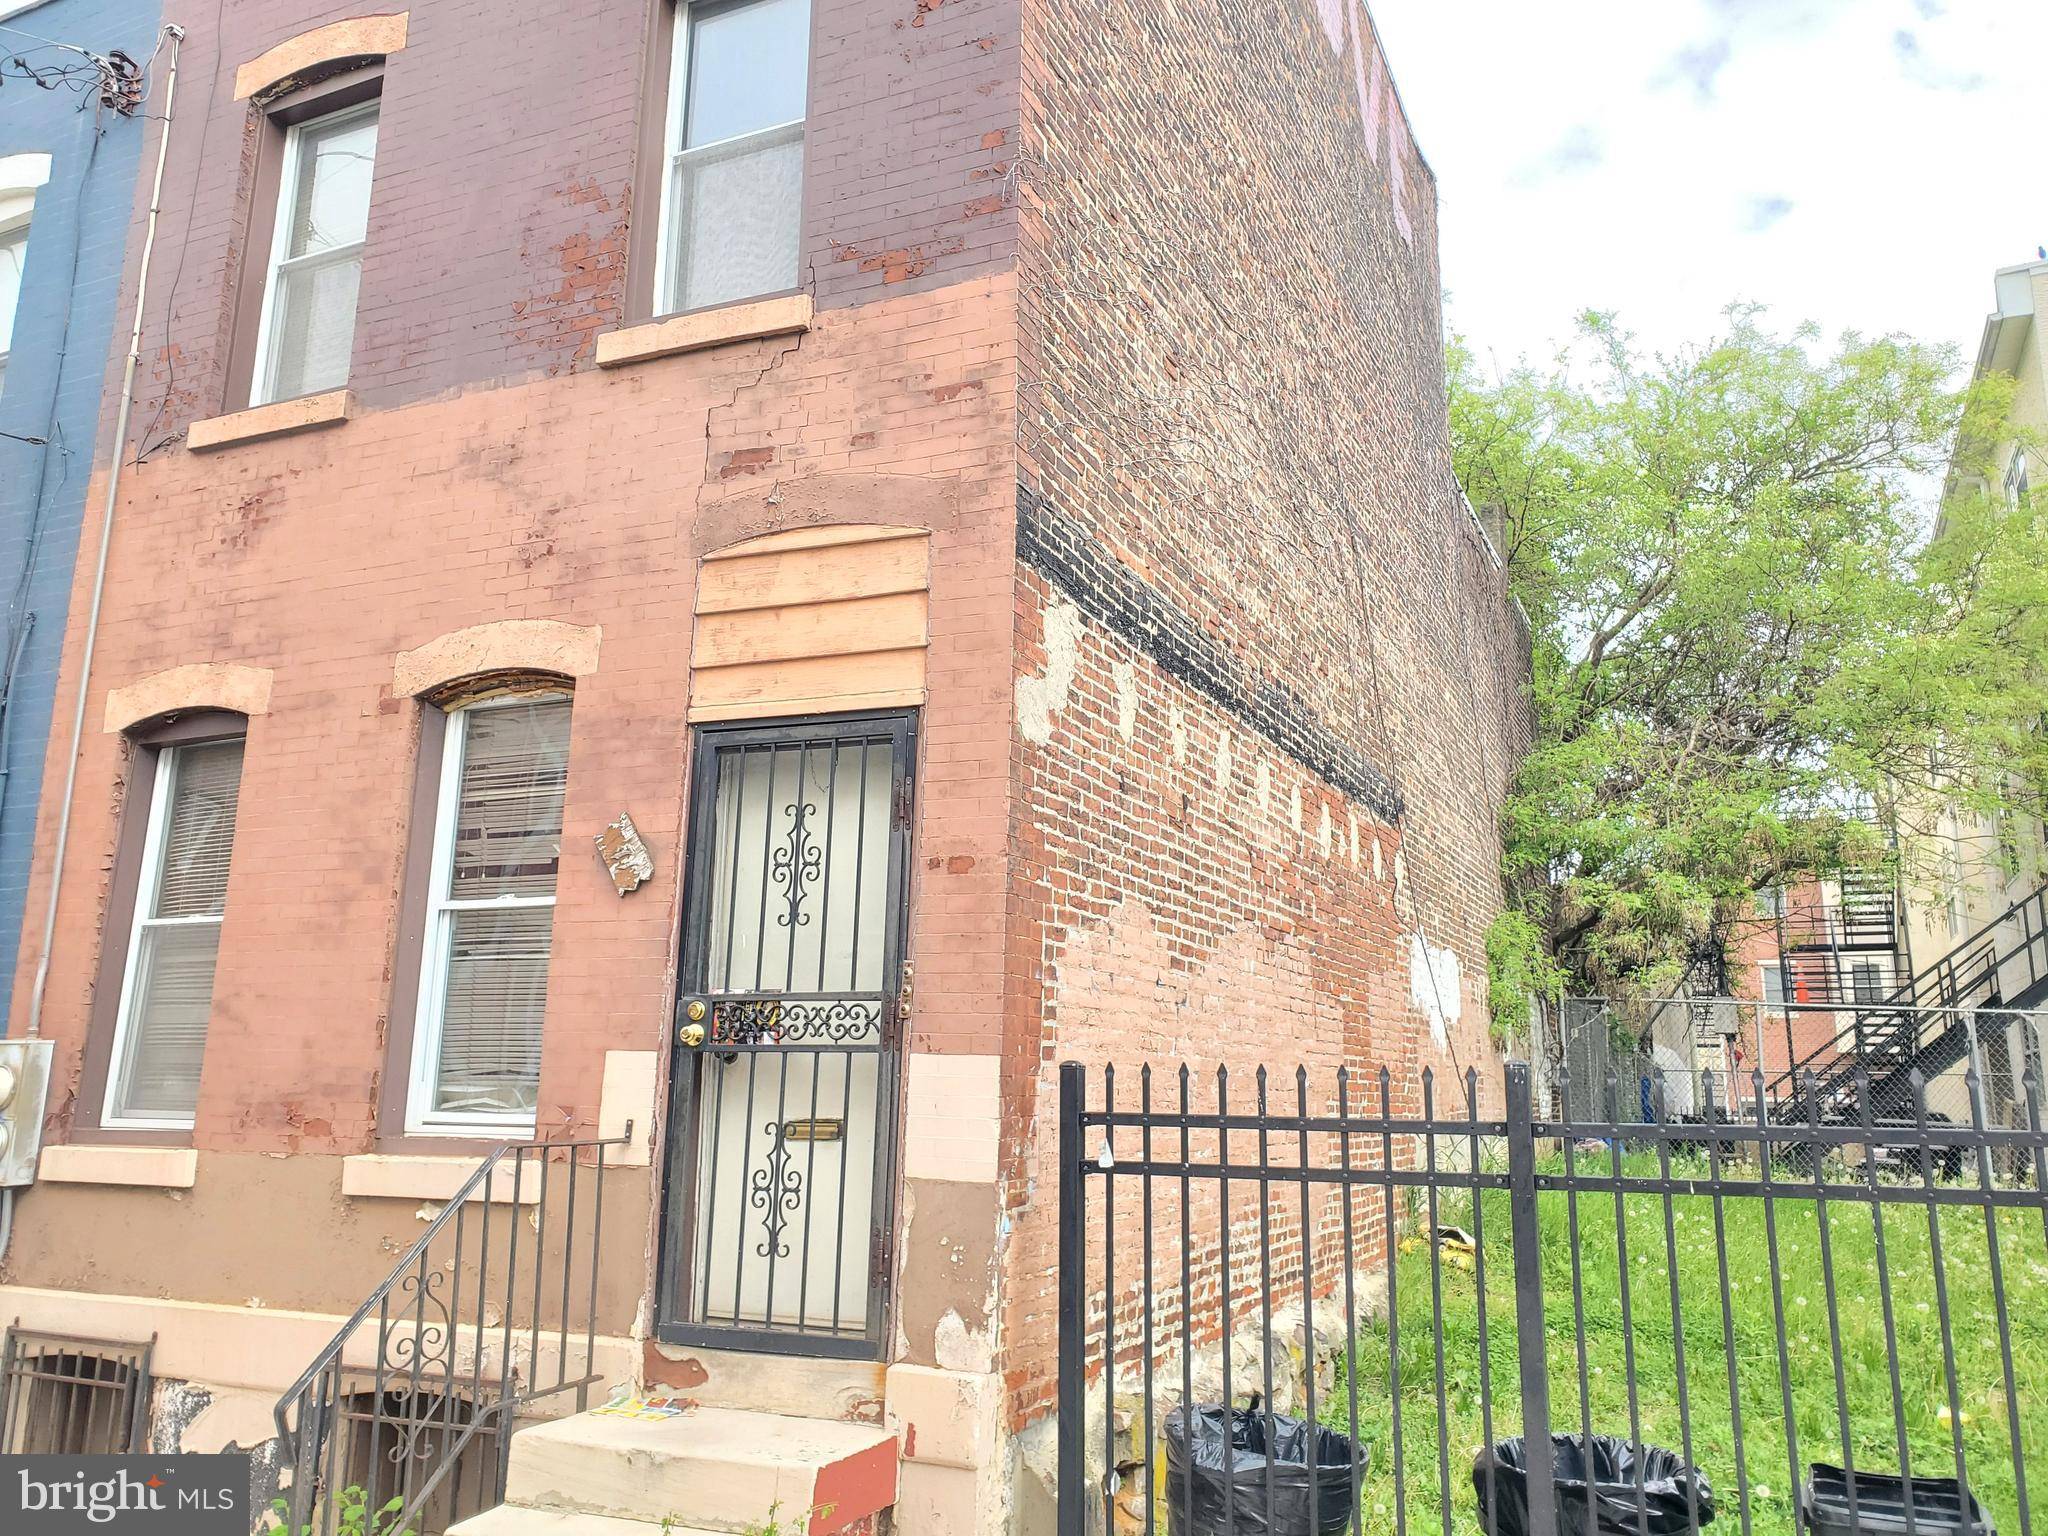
x: 691, y: 1035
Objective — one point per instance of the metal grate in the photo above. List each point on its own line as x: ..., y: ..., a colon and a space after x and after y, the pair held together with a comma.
x: 423, y: 1426
x: 62, y: 1396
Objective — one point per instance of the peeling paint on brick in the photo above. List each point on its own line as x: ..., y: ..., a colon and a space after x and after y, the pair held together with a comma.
x: 1436, y: 981
x: 1124, y: 677
x: 1040, y: 698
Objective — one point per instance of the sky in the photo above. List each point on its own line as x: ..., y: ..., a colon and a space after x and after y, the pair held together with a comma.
x: 1864, y: 164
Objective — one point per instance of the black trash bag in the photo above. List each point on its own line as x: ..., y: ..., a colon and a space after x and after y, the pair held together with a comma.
x: 1219, y: 1483
x: 1612, y: 1510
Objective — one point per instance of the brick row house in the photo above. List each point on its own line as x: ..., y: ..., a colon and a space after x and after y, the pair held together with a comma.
x: 736, y: 579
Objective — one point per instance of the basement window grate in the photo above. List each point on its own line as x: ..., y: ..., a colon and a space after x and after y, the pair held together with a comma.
x: 63, y: 1396
x: 397, y: 1439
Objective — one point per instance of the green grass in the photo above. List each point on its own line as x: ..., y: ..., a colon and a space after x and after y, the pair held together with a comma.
x: 1859, y: 1314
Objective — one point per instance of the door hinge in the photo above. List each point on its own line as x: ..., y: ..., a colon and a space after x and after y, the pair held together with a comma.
x: 903, y: 992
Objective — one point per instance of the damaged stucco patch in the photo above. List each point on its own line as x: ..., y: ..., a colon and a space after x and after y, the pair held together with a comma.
x: 959, y: 1347
x: 1435, y: 981
x: 947, y: 1287
x: 1040, y: 698
x: 190, y: 1419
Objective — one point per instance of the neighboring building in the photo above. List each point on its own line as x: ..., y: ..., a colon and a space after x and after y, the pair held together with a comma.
x: 1965, y: 871
x: 969, y: 479
x: 1894, y: 969
x: 68, y: 165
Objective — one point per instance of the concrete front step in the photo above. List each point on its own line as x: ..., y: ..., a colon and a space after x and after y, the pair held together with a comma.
x: 719, y: 1469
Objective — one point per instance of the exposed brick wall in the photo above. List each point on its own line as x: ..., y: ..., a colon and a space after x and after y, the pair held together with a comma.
x: 1269, y: 686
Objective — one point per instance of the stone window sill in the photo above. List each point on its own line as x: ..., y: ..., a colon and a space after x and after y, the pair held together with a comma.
x: 410, y: 1176
x: 136, y: 1167
x: 264, y: 421
x: 788, y: 315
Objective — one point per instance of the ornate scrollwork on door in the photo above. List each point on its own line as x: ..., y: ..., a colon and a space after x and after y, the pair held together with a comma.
x: 776, y: 1190
x: 797, y: 864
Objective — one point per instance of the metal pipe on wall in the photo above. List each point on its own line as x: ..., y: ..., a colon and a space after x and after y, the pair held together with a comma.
x: 176, y: 34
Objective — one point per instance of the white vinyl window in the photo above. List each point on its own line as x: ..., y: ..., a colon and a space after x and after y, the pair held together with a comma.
x: 490, y: 917
x: 167, y: 982
x: 1774, y: 986
x: 316, y: 259
x: 13, y: 257
x: 731, y: 198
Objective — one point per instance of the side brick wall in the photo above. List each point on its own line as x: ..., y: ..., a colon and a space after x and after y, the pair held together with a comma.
x: 1270, y: 686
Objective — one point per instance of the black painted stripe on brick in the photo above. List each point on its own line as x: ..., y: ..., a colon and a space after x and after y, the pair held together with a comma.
x: 1117, y: 599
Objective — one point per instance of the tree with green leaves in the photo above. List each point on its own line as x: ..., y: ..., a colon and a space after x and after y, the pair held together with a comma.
x: 1763, y: 641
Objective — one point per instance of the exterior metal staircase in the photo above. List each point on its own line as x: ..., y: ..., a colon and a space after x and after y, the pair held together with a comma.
x: 1923, y: 1026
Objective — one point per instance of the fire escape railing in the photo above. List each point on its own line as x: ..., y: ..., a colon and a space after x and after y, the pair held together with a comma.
x: 492, y: 1308
x: 1889, y: 1034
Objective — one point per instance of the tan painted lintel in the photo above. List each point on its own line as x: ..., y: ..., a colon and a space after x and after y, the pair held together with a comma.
x: 196, y: 685
x: 261, y: 421
x: 705, y: 328
x: 354, y: 38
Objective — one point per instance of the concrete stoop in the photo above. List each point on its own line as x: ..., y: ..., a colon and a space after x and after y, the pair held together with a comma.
x: 715, y: 1470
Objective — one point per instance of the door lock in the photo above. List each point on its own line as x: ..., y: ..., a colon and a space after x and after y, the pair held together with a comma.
x: 693, y: 1033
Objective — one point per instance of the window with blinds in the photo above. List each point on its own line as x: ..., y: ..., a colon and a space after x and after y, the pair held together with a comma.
x: 490, y: 918
x: 167, y: 986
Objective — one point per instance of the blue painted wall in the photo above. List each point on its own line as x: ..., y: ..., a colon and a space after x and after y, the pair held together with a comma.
x: 56, y: 374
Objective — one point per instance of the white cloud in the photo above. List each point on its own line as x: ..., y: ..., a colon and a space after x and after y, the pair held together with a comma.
x: 1795, y: 153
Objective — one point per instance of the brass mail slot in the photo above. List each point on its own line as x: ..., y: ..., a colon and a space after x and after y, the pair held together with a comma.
x: 813, y: 1130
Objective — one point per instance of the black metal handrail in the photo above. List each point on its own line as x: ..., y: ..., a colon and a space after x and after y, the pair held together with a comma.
x: 463, y: 1324
x: 1892, y: 1031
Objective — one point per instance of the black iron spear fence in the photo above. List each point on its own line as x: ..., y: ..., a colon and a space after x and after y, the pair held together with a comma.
x: 1830, y: 1302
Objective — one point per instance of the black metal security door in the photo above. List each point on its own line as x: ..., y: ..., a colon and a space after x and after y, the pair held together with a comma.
x: 781, y: 1170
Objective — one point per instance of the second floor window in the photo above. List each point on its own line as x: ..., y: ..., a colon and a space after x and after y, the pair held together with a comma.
x: 490, y: 916
x: 180, y: 896
x: 732, y: 193
x: 316, y: 263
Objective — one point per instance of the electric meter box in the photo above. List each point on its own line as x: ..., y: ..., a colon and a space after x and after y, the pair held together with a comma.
x: 24, y: 1086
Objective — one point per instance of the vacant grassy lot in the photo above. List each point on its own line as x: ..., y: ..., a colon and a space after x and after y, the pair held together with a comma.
x: 1760, y: 1494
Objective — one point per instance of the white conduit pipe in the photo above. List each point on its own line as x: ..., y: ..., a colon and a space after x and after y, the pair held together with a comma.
x: 99, y: 580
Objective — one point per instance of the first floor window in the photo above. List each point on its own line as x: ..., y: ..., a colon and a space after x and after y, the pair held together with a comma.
x: 732, y: 198
x: 490, y: 916
x: 180, y: 896
x: 316, y: 263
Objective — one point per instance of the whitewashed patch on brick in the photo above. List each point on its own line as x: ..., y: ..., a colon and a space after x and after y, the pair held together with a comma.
x: 1435, y: 980
x: 1040, y: 698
